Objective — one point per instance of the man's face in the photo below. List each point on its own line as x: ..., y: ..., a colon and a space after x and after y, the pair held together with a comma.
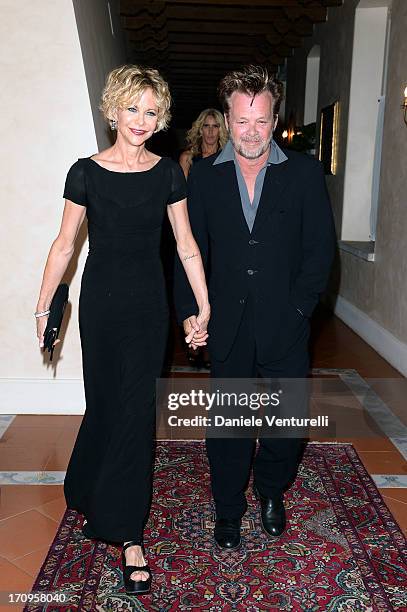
x: 251, y: 123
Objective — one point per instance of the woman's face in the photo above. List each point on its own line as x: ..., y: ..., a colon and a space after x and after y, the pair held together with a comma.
x: 210, y: 131
x: 137, y: 123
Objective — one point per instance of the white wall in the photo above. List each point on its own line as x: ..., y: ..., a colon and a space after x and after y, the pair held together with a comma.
x: 311, y: 86
x: 102, y: 43
x: 372, y: 296
x: 47, y: 124
x: 365, y: 90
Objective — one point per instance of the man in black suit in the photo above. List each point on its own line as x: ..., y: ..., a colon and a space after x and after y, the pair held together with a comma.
x: 262, y: 219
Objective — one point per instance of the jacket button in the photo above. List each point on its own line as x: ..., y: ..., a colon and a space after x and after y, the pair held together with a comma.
x: 252, y: 242
x: 251, y: 272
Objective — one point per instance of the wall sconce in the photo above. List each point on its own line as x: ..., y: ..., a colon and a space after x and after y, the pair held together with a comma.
x: 404, y: 106
x: 285, y: 134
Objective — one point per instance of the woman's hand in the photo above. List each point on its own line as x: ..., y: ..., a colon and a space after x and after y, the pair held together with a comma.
x: 41, y: 325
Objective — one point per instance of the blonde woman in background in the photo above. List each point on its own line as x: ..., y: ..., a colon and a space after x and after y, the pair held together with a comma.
x: 125, y: 192
x: 207, y: 136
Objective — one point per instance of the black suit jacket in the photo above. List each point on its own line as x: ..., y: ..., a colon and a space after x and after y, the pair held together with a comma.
x: 283, y: 264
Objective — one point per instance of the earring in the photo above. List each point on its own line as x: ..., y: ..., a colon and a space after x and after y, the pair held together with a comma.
x: 113, y: 124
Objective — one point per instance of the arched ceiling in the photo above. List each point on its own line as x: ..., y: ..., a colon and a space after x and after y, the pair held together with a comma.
x: 195, y: 42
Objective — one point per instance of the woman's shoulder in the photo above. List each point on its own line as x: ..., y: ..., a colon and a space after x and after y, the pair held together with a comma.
x: 186, y: 155
x: 75, y: 183
x: 169, y: 161
x: 170, y: 164
x: 80, y: 162
x: 77, y: 168
x: 174, y: 175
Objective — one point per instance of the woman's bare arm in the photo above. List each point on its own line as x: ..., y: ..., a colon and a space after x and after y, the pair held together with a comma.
x: 190, y: 257
x: 58, y: 259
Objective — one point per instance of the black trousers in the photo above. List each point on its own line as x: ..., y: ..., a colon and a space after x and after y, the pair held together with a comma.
x: 276, y: 462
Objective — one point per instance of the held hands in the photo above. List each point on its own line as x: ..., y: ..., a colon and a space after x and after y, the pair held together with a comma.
x: 195, y: 329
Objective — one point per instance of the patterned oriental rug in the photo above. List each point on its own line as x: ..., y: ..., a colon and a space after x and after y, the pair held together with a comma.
x: 342, y: 552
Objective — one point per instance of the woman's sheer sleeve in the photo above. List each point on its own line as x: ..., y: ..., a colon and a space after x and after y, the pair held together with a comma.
x: 178, y: 190
x: 75, y: 184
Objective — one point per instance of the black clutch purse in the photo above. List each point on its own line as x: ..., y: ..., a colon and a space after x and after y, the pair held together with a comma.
x: 57, y: 309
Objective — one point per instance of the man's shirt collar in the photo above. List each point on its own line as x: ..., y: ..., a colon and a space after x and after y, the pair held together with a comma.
x: 276, y: 155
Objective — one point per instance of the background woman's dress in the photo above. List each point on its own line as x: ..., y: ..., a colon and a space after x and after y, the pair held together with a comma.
x: 123, y: 318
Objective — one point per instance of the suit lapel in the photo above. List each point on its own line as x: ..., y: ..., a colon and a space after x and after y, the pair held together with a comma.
x: 276, y: 179
x: 230, y: 195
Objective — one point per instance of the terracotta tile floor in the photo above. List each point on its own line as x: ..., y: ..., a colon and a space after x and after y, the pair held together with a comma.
x: 30, y: 514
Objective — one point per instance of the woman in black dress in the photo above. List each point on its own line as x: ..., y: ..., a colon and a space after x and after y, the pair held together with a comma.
x: 123, y: 315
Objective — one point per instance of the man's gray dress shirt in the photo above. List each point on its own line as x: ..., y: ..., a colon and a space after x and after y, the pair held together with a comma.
x: 276, y: 156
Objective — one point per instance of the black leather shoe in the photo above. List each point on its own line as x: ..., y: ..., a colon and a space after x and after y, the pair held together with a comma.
x: 273, y: 518
x: 227, y: 533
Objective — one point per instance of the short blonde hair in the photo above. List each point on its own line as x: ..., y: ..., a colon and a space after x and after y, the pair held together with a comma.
x: 127, y: 83
x: 194, y: 135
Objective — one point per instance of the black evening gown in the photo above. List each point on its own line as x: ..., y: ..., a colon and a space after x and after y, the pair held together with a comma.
x: 123, y: 319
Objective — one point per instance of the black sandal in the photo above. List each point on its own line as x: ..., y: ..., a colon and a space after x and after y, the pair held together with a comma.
x: 135, y: 587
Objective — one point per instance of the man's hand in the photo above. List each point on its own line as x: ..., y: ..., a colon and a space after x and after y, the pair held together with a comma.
x: 190, y: 327
x: 195, y: 329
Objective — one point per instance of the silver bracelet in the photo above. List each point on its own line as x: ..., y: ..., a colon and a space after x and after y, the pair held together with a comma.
x: 44, y: 313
